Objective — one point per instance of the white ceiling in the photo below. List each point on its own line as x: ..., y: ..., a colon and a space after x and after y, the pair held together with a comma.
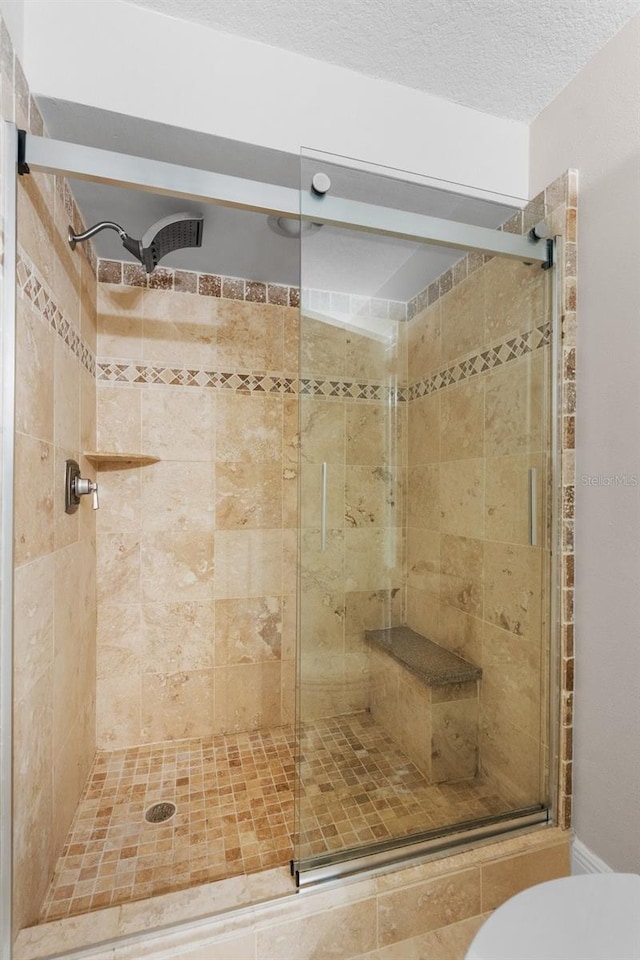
x: 509, y: 58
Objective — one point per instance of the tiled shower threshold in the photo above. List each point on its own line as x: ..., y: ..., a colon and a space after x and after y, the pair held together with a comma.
x: 229, y: 843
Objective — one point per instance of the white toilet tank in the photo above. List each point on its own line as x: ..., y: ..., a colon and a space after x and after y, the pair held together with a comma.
x: 590, y: 917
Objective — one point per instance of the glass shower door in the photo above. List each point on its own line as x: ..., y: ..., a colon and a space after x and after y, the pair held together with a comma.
x: 423, y: 563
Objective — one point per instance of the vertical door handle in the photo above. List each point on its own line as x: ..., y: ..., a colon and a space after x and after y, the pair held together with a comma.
x: 533, y: 507
x: 323, y: 509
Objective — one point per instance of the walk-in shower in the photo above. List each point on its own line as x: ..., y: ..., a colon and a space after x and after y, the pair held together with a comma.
x: 311, y: 629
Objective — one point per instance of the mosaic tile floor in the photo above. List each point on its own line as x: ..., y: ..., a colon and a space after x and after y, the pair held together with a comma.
x: 235, y: 809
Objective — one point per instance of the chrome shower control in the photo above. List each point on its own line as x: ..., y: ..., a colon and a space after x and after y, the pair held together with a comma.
x: 76, y: 486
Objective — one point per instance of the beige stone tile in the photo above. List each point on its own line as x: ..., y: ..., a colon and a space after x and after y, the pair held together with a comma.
x: 180, y: 328
x: 512, y: 762
x: 176, y: 705
x: 372, y: 558
x: 88, y: 422
x: 177, y: 637
x: 33, y: 623
x: 120, y: 311
x: 322, y: 431
x: 322, y: 690
x: 322, y: 570
x: 248, y: 631
x: 356, y: 682
x: 249, y: 429
x: 177, y: 563
x: 351, y: 931
x: 504, y: 878
x: 507, y: 498
x: 373, y: 496
x: 424, y: 346
x: 66, y: 392
x: 427, y: 906
x: 462, y: 421
x: 88, y: 304
x: 249, y: 336
x: 178, y: 423
x: 369, y: 358
x: 248, y: 563
x: 34, y: 374
x: 118, y: 568
x: 454, y: 732
x: 291, y: 339
x: 72, y: 766
x: 511, y: 680
x: 322, y: 349
x: 288, y: 676
x: 247, y: 697
x: 372, y: 435
x: 514, y: 298
x: 290, y: 432
x: 460, y: 633
x: 424, y: 430
x: 118, y: 712
x: 119, y: 419
x: 514, y: 408
x: 423, y: 561
x: 455, y: 691
x: 119, y: 640
x: 462, y: 498
x: 35, y: 227
x: 176, y: 495
x: 385, y: 687
x: 289, y: 627
x: 462, y: 318
x: 248, y: 495
x: 423, y: 496
x: 446, y: 943
x: 422, y: 612
x: 34, y: 854
x: 67, y: 934
x: 311, y: 495
x: 415, y: 721
x: 462, y: 573
x: 322, y: 622
x: 34, y: 493
x: 120, y: 501
x: 290, y: 497
x: 371, y: 610
x: 512, y: 588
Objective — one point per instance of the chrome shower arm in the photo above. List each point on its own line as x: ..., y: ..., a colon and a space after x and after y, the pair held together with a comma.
x: 91, y: 232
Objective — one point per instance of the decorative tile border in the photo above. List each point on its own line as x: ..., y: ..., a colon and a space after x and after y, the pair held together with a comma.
x: 496, y: 356
x: 32, y: 287
x: 203, y: 284
x: 250, y: 291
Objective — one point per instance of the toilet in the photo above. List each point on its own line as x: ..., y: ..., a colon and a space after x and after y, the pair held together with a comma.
x: 588, y: 917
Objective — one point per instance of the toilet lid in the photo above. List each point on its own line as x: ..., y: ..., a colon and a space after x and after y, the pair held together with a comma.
x: 589, y: 917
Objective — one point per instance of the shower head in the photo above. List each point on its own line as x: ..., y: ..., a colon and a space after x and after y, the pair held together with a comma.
x: 175, y: 232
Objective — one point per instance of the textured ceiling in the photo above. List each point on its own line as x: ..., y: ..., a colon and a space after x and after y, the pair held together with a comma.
x: 509, y: 58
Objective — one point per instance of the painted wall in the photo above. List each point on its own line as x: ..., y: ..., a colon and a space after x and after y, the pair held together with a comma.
x: 594, y: 125
x: 248, y: 91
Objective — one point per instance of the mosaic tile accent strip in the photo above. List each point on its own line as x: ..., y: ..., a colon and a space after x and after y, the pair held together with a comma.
x: 235, y: 809
x: 512, y: 349
x: 32, y: 287
x: 116, y: 371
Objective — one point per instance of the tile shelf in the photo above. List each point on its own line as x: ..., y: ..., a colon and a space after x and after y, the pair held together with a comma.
x: 122, y: 460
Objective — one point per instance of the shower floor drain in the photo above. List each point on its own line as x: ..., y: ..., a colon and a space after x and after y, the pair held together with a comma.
x: 160, y: 812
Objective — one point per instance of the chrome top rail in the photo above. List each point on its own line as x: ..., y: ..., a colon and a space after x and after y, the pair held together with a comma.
x: 157, y: 176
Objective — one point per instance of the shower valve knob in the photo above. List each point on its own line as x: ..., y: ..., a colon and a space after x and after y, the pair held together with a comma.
x: 84, y: 486
x: 76, y: 487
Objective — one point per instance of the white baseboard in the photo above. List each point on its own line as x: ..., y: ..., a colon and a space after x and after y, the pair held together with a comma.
x: 584, y: 860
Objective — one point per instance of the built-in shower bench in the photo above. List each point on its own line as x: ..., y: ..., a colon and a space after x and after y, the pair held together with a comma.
x: 426, y: 697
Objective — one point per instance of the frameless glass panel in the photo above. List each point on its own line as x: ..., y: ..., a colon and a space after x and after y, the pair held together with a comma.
x: 423, y: 600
